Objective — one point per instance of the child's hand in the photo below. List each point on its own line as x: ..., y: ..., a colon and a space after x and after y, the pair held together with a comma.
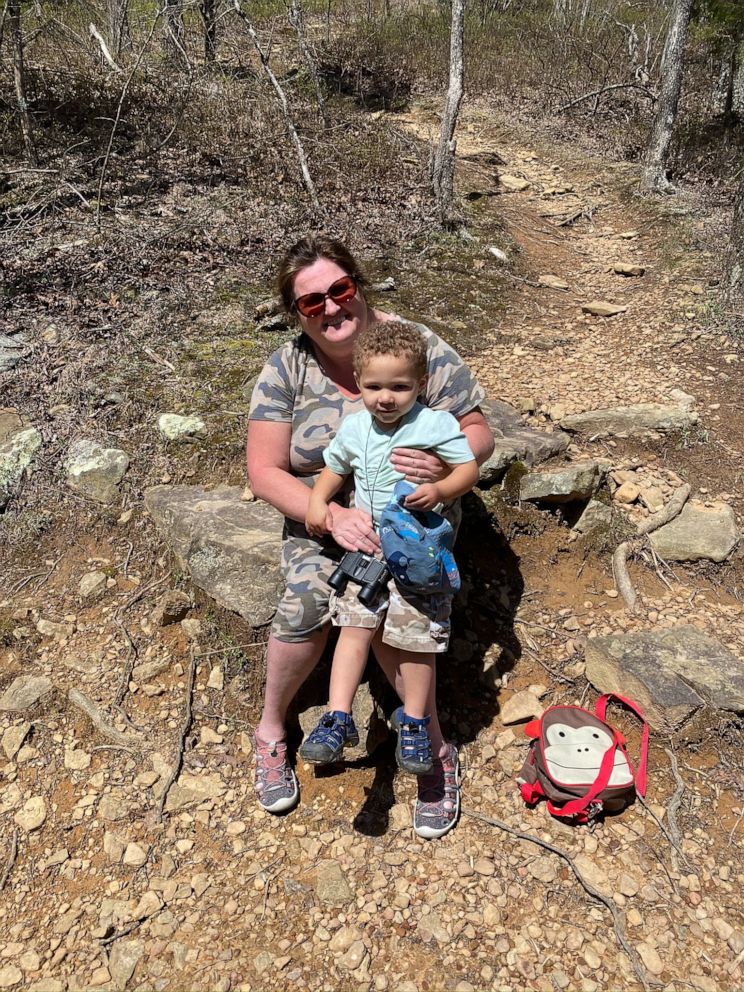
x: 318, y: 520
x: 424, y: 497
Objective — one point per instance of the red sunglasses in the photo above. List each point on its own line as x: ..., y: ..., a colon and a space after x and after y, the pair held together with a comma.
x: 312, y: 304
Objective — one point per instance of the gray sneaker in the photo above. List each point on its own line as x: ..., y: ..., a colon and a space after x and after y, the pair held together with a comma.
x: 276, y: 782
x: 438, y: 803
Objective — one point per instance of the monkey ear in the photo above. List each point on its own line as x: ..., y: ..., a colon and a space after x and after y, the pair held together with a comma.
x: 532, y: 729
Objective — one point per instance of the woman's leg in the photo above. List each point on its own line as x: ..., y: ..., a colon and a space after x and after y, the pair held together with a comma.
x: 349, y: 661
x: 288, y: 664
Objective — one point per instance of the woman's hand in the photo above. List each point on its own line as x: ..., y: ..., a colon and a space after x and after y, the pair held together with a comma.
x: 418, y: 466
x: 352, y: 529
x: 424, y: 497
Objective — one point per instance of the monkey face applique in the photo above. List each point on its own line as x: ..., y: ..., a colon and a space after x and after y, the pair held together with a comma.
x: 573, y: 755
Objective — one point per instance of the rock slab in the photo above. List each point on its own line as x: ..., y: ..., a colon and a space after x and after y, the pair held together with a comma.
x: 23, y: 692
x: 231, y: 549
x: 699, y: 532
x: 574, y: 482
x: 515, y: 441
x: 670, y: 673
x: 640, y: 418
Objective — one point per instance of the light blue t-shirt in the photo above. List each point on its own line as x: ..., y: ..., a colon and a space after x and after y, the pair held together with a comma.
x: 361, y: 446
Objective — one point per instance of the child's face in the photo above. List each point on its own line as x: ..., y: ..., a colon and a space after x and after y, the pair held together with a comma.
x: 389, y: 386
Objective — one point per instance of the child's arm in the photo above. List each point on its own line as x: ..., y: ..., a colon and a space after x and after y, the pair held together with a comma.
x: 460, y: 480
x: 318, y: 520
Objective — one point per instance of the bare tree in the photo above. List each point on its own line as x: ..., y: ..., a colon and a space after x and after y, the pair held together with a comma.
x: 19, y: 75
x: 174, y: 29
x: 653, y: 176
x: 281, y: 96
x: 297, y: 20
x: 734, y: 263
x: 209, y: 16
x: 118, y: 26
x: 443, y: 169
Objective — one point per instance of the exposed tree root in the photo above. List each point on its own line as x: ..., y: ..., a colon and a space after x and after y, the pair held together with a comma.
x: 185, y: 727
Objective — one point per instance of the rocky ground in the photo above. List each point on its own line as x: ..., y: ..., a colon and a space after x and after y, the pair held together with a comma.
x: 103, y: 889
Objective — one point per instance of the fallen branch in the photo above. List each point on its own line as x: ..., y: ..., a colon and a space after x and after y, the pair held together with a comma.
x: 11, y: 860
x: 607, y: 89
x: 185, y: 726
x: 674, y: 804
x: 587, y: 886
x: 82, y: 702
x: 95, y: 33
x: 648, y: 526
x: 126, y: 674
x: 306, y: 178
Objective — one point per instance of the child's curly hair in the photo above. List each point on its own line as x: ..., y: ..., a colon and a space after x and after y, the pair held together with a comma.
x: 390, y: 337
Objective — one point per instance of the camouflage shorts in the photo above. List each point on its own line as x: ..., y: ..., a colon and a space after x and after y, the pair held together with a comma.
x: 305, y: 607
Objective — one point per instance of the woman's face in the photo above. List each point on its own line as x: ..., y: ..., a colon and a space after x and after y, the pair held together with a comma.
x: 335, y: 328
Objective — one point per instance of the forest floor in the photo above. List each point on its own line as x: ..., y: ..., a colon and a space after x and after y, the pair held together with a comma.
x: 340, y: 894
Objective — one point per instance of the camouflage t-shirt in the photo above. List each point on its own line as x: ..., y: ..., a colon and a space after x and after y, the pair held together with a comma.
x: 293, y: 389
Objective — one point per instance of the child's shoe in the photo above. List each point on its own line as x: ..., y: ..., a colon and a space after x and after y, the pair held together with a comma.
x: 326, y: 743
x: 413, y: 750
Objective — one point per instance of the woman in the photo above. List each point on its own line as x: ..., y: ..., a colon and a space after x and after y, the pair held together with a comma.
x: 298, y: 401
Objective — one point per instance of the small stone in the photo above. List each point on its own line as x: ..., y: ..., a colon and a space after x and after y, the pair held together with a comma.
x: 235, y: 828
x: 77, y: 760
x: 32, y: 814
x: 591, y: 957
x: 633, y: 917
x: 112, y: 809
x: 628, y: 269
x: 209, y: 736
x: 10, y: 976
x: 172, y: 608
x: 92, y: 586
x: 514, y: 184
x: 332, y: 886
x: 123, y: 958
x: 650, y: 957
x: 343, y: 939
x: 113, y: 847
x: 192, y: 628
x: 354, y: 956
x: 149, y: 903
x: 13, y: 738
x: 601, y: 308
x: 627, y: 493
x: 722, y: 928
x: 101, y: 976
x: 521, y: 706
x: 135, y: 856
x: 484, y: 866
x: 216, y: 678
x: 628, y: 885
x: 29, y: 961
x: 177, y: 428
x: 552, y: 282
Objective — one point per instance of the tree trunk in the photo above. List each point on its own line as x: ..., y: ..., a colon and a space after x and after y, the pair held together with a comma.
x: 734, y: 262
x: 653, y: 177
x: 173, y: 27
x: 118, y: 25
x: 209, y: 16
x: 297, y: 20
x: 443, y: 171
x: 19, y: 74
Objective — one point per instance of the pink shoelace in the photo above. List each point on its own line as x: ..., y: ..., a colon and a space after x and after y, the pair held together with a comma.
x: 271, y: 764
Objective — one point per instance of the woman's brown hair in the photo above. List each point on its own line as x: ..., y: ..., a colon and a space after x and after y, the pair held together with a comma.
x: 307, y: 251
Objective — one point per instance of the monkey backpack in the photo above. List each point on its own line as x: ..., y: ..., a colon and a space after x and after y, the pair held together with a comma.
x: 579, y: 762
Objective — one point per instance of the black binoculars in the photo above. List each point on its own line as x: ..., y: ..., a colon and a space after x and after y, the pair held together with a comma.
x: 368, y: 572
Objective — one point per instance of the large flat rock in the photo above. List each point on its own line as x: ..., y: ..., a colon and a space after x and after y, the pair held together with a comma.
x: 231, y: 548
x: 515, y: 441
x: 637, y: 419
x: 572, y: 482
x: 699, y: 532
x: 670, y: 673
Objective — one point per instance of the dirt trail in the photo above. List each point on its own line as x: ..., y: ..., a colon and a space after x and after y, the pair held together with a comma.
x: 340, y: 894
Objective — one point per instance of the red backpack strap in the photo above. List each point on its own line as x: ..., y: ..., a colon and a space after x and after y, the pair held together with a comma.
x: 577, y: 807
x: 601, y: 708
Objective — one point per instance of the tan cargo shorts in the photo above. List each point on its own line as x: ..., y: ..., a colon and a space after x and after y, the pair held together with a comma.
x: 412, y: 623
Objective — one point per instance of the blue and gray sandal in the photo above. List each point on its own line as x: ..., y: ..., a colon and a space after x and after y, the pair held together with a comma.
x: 413, y: 750
x: 335, y: 731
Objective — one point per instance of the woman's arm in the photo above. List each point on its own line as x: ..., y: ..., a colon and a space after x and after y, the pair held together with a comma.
x: 480, y: 436
x: 271, y: 480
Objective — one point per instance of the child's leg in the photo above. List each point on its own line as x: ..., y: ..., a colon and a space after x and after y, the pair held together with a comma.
x: 417, y: 671
x: 349, y: 660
